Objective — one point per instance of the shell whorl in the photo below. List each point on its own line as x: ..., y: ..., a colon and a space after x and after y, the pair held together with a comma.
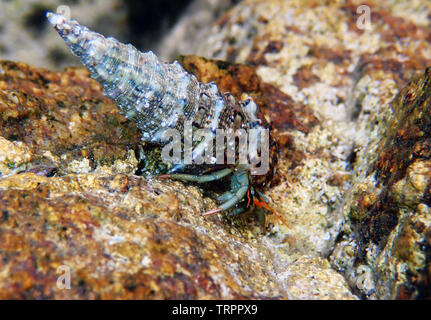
x: 156, y: 95
x: 159, y: 96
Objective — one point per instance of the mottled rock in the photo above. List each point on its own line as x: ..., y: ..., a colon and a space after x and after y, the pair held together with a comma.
x: 13, y: 157
x: 61, y: 120
x: 319, y: 56
x: 389, y: 205
x: 70, y: 204
x: 121, y: 236
x: 304, y: 278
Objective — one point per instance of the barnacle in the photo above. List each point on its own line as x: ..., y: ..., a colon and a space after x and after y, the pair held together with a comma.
x: 161, y: 96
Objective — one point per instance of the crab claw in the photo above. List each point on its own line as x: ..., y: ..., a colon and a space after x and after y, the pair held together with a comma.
x: 164, y: 176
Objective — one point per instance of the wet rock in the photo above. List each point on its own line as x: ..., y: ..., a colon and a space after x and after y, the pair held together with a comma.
x: 121, y: 236
x: 347, y: 76
x: 389, y: 207
x: 193, y: 26
x: 61, y: 120
x: 13, y: 157
x: 305, y: 276
x: 73, y: 209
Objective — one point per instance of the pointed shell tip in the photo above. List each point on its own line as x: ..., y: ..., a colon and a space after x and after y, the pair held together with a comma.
x: 55, y: 18
x: 49, y: 15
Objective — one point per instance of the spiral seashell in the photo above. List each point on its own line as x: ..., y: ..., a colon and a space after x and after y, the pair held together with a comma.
x: 159, y: 96
x: 156, y: 95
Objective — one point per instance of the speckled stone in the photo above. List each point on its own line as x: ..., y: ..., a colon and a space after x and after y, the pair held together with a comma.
x: 347, y: 77
x: 122, y: 237
x: 304, y: 276
x: 63, y: 121
x: 387, y: 254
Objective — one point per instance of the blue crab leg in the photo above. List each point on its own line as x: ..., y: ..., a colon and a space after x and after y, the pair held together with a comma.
x: 226, y: 196
x: 236, y: 211
x: 199, y: 179
x: 234, y: 186
x: 265, y: 198
x: 239, y: 194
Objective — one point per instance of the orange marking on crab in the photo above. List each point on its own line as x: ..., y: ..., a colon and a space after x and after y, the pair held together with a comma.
x: 164, y: 176
x: 262, y: 204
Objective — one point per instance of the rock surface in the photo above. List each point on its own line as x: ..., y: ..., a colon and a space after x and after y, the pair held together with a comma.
x: 194, y: 25
x: 340, y: 172
x: 386, y: 249
x: 70, y: 202
x: 355, y: 202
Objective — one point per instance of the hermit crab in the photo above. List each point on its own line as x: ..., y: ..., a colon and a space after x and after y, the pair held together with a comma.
x: 162, y: 97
